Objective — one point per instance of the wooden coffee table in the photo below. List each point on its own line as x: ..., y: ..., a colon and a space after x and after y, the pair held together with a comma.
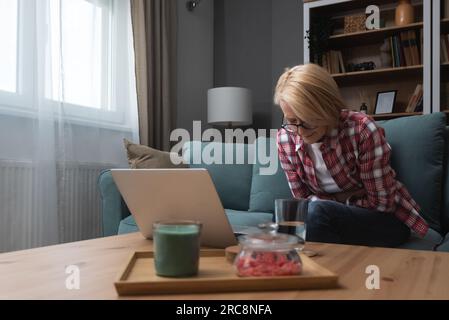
x: 41, y: 273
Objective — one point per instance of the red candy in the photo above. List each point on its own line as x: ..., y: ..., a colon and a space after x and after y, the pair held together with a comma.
x: 266, y: 263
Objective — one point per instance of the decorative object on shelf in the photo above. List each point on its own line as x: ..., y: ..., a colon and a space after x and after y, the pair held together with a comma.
x: 365, y: 100
x: 405, y: 13
x: 385, y: 101
x: 355, y: 23
x: 229, y: 106
x: 385, y: 54
x: 318, y: 37
x: 364, y: 66
x: 364, y: 108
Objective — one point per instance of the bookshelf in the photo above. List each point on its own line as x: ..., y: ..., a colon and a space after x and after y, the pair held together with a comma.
x: 404, y: 73
x: 395, y: 115
x: 356, y: 77
x: 370, y: 36
x: 442, y: 41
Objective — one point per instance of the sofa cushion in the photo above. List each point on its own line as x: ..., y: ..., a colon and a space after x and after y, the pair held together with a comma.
x: 113, y: 208
x: 265, y: 188
x: 444, y: 245
x: 417, y: 157
x: 253, y: 219
x: 128, y: 225
x: 144, y: 157
x: 429, y: 242
x: 232, y: 181
x: 235, y: 217
x: 247, y: 218
x: 445, y: 211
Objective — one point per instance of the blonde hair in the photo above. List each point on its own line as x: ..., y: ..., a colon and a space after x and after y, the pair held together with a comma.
x: 312, y: 94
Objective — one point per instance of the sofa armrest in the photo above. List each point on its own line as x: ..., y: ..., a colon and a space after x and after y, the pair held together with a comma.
x: 113, y: 208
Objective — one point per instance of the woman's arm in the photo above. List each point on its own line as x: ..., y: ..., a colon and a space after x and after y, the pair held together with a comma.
x: 348, y: 196
x: 297, y: 187
x: 377, y: 176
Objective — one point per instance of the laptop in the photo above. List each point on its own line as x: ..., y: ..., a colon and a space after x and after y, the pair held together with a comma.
x: 177, y: 194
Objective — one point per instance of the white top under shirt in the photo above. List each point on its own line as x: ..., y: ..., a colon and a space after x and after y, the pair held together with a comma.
x: 323, y: 176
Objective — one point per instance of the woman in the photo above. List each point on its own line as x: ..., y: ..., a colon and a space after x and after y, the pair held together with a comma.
x: 340, y: 161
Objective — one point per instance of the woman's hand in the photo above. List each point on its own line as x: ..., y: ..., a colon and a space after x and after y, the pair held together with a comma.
x: 343, y: 196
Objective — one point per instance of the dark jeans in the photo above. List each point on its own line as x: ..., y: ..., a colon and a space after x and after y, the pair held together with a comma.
x: 334, y: 222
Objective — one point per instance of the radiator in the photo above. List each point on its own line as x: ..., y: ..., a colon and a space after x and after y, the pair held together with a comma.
x: 31, y: 215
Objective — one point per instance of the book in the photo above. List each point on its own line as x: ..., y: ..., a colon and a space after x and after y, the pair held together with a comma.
x: 444, y: 55
x: 419, y: 99
x: 331, y: 62
x: 393, y: 59
x: 414, y: 99
x: 406, y: 46
x: 395, y: 52
x: 446, y: 42
x: 419, y: 105
x: 340, y: 59
x: 335, y: 61
x: 324, y: 62
x: 421, y: 42
x: 414, y: 48
x: 401, y: 51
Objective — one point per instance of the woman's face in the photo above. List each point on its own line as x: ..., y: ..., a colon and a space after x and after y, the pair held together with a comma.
x: 310, y: 136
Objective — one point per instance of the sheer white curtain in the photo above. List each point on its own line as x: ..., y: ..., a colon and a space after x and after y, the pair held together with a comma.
x: 67, y: 100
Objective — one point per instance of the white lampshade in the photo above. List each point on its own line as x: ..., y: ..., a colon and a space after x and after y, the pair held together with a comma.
x: 229, y: 106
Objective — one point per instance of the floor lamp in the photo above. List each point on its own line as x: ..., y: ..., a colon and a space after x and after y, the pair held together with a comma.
x: 229, y: 107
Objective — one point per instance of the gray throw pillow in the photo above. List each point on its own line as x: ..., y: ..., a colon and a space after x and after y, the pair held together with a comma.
x: 143, y: 157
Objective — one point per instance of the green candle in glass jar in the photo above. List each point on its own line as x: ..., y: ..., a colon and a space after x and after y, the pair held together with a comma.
x: 176, y: 248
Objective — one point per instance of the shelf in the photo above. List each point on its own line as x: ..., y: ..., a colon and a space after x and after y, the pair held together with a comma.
x: 357, y: 6
x: 389, y: 116
x: 369, y: 36
x: 369, y: 75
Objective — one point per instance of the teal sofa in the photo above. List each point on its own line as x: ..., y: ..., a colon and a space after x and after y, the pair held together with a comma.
x: 420, y: 147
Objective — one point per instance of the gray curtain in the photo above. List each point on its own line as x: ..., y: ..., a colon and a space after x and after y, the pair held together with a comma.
x: 154, y: 28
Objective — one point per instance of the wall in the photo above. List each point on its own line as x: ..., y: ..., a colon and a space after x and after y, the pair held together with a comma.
x: 287, y: 43
x: 195, y: 62
x: 243, y: 51
x: 254, y: 41
x: 236, y: 43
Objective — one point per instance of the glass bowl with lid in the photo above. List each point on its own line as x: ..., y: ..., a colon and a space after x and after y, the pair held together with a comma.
x: 268, y: 254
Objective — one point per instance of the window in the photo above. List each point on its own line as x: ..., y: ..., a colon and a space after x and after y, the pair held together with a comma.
x: 80, y: 48
x: 76, y: 52
x: 8, y: 39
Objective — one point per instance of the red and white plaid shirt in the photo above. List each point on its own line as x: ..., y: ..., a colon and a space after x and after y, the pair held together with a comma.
x: 357, y: 156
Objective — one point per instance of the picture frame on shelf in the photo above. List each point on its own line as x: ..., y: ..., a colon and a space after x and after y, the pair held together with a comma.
x: 385, y: 101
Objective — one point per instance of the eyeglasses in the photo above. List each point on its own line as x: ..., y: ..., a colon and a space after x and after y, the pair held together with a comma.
x: 293, y: 127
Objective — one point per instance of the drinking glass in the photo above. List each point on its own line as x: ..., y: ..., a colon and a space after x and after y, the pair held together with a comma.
x: 290, y: 217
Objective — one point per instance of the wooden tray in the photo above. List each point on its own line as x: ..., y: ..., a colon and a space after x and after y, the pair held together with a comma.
x: 216, y: 275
